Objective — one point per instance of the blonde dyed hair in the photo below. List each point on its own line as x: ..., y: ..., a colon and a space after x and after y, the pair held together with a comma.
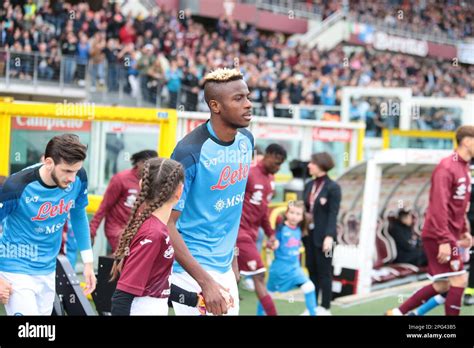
x: 222, y: 75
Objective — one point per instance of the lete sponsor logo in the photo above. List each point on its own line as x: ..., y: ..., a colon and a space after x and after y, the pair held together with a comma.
x: 230, y: 177
x: 48, y: 210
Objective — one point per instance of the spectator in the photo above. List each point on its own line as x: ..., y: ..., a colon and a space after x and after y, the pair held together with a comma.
x: 17, y: 69
x: 328, y: 91
x: 30, y: 10
x: 132, y: 72
x: 191, y: 87
x: 69, y: 50
x: 112, y: 55
x: 173, y: 77
x: 97, y: 60
x: 144, y: 64
x: 156, y: 80
x: 45, y: 63
x: 408, y: 246
x: 83, y: 51
x: 127, y: 33
x: 307, y: 113
x: 270, y: 62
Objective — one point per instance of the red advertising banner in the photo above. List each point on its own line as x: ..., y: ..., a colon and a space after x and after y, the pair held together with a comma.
x: 274, y: 131
x: 364, y: 34
x: 50, y: 124
x: 191, y: 124
x: 332, y: 134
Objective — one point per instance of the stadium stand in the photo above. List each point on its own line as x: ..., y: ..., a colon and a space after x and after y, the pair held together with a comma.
x: 162, y: 59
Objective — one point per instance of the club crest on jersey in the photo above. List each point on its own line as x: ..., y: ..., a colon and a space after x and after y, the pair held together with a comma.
x: 252, y: 264
x: 48, y: 210
x: 243, y: 147
x: 455, y: 265
x: 169, y: 252
x: 229, y: 177
x: 460, y: 192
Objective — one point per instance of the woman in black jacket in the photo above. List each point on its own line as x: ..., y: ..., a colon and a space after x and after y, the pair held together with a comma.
x: 322, y: 198
x: 409, y: 249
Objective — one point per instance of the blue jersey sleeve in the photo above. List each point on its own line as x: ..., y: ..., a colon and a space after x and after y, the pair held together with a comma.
x: 8, y: 203
x: 80, y: 226
x: 189, y: 162
x: 11, y: 192
x: 82, y: 201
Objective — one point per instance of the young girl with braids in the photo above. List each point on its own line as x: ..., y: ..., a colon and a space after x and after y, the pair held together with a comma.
x: 145, y: 256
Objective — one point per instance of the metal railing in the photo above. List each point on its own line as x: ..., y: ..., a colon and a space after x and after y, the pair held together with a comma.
x: 297, y: 7
x: 115, y: 84
x: 403, y: 30
x: 41, y: 70
x: 101, y: 83
x: 312, y: 34
x: 298, y: 112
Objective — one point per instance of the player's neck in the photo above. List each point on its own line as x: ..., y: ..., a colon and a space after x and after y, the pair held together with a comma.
x: 464, y: 154
x: 46, y: 177
x: 163, y: 213
x: 222, y: 130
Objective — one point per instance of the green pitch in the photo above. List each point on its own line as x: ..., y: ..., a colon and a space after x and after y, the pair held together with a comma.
x: 293, y: 305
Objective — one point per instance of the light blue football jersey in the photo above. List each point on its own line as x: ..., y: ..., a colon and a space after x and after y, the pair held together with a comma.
x: 34, y: 215
x: 290, y: 244
x: 216, y: 174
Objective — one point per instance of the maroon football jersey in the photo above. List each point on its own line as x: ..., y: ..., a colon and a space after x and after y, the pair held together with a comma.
x: 449, y: 198
x: 147, y: 268
x: 258, y: 193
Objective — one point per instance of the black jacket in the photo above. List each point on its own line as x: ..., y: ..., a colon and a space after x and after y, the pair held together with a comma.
x: 325, y: 211
x: 406, y: 247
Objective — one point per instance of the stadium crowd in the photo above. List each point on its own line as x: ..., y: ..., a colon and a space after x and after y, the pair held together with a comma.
x: 450, y: 18
x: 169, y: 53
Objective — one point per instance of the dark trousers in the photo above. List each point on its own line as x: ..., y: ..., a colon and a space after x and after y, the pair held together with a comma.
x: 470, y: 283
x: 320, y: 271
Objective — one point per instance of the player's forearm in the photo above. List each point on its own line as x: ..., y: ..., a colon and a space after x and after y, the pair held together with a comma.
x: 184, y: 258
x: 81, y: 230
x: 235, y: 265
x: 267, y: 228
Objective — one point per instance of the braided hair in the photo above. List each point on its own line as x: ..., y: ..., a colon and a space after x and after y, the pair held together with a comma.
x: 160, y: 179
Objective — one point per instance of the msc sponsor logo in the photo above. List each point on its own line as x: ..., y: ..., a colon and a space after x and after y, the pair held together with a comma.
x: 54, y: 228
x: 229, y: 202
